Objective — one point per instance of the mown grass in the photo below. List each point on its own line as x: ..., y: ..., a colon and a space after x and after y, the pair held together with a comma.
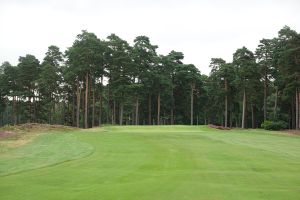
x: 153, y: 162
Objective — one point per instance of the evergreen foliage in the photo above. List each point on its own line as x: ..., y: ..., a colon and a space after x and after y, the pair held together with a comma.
x: 110, y: 81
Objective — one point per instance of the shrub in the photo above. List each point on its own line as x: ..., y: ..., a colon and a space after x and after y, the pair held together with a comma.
x: 274, y: 125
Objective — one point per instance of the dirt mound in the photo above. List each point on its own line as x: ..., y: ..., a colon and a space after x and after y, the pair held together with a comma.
x: 218, y: 127
x: 7, y: 134
x: 34, y: 127
x: 40, y: 126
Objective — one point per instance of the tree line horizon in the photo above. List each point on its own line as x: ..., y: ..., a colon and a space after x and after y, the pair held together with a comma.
x: 109, y: 81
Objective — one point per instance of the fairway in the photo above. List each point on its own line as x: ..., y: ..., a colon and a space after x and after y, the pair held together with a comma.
x: 153, y: 163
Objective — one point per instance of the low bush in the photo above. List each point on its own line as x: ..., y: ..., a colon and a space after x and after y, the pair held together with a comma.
x: 274, y: 125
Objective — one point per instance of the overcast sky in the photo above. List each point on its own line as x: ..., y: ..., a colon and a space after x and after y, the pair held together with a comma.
x: 200, y: 29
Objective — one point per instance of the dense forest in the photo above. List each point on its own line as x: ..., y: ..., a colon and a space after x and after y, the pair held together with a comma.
x: 109, y: 81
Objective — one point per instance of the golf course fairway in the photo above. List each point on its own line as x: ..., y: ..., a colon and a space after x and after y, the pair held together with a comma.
x: 153, y: 163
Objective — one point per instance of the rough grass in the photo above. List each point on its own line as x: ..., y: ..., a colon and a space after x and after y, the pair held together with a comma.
x: 38, y: 145
x: 154, y: 162
x: 18, y: 135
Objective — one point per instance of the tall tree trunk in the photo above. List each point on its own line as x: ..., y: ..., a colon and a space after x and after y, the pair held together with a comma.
x: 100, y: 106
x: 265, y: 95
x: 244, y: 110
x: 290, y: 118
x: 54, y: 110
x: 231, y: 118
x: 192, y: 103
x: 17, y: 115
x: 69, y: 117
x: 17, y: 106
x: 297, y: 109
x: 108, y: 104
x: 252, y: 116
x: 226, y: 103
x: 34, y: 109
x: 78, y: 93
x: 14, y: 111
x: 100, y: 110
x: 86, y: 100
x: 1, y: 120
x: 172, y: 106
x: 293, y: 114
x: 158, y: 108
x: 121, y: 113
x: 50, y: 109
x: 149, y: 110
x: 73, y: 110
x: 275, y: 104
x: 114, y: 112
x: 93, y: 109
x: 172, y: 116
x: 137, y: 111
x: 63, y: 103
x: 30, y: 109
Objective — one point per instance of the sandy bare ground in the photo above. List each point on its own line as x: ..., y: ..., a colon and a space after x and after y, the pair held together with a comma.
x: 292, y: 132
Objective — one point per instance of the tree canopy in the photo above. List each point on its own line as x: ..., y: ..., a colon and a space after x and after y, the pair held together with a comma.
x: 97, y: 81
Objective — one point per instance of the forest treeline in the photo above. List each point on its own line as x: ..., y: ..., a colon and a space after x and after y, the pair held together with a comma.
x: 109, y: 81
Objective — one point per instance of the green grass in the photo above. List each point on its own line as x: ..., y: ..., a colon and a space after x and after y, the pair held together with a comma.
x: 153, y: 163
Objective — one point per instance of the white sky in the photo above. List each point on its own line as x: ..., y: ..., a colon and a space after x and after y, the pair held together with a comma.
x: 201, y: 29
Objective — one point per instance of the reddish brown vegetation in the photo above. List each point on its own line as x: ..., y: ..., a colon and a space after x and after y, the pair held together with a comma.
x: 218, y: 127
x: 16, y: 130
x: 7, y: 134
